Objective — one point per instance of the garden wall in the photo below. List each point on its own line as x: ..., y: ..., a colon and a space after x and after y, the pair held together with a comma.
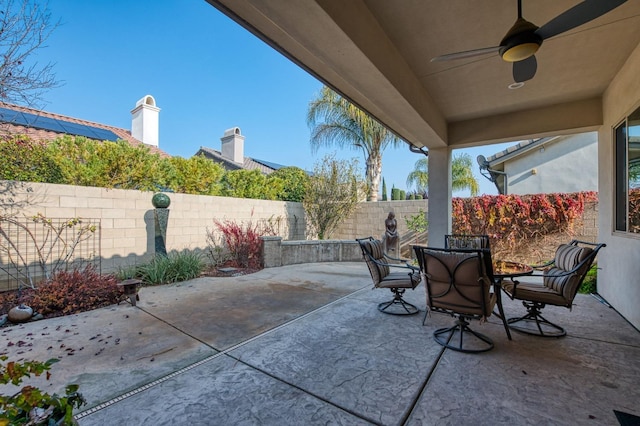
x: 126, y: 222
x: 277, y: 252
x: 126, y: 217
x: 370, y: 216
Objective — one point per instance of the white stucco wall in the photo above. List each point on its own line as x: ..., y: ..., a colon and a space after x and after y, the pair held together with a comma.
x: 619, y: 276
x: 565, y: 164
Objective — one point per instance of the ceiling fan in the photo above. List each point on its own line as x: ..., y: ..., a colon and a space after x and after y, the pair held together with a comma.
x: 524, y: 39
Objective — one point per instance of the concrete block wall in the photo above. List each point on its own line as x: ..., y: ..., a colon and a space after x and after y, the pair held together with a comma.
x: 370, y: 216
x: 368, y: 220
x: 280, y: 253
x: 127, y: 216
x: 127, y: 221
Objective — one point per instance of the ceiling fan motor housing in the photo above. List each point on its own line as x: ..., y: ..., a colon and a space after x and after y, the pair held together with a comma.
x: 521, y: 41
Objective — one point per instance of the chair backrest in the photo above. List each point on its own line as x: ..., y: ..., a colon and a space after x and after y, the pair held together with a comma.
x: 462, y: 241
x: 457, y: 280
x: 569, y: 268
x: 373, y: 254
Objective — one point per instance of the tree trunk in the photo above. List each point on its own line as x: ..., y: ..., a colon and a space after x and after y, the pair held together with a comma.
x: 374, y: 170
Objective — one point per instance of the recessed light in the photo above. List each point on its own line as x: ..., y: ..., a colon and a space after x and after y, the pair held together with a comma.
x: 514, y: 86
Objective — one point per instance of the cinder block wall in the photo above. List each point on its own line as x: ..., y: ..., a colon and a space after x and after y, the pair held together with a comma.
x: 369, y: 218
x: 127, y: 216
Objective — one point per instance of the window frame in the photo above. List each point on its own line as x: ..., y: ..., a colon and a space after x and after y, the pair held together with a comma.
x: 621, y: 177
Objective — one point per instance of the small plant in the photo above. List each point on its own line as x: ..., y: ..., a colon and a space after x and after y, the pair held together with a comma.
x: 30, y: 405
x: 70, y: 292
x: 590, y: 283
x: 177, y: 266
x: 216, y: 251
x: 418, y: 224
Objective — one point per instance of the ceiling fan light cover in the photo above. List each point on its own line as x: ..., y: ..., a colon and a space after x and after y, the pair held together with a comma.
x: 520, y: 52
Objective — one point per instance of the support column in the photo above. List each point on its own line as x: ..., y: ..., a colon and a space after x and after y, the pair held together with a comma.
x: 439, y: 191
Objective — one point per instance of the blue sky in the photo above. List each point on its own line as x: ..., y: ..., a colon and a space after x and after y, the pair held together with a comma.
x: 206, y: 73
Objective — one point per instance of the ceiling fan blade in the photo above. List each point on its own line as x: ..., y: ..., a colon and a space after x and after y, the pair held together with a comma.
x: 579, y: 14
x: 466, y: 54
x: 525, y: 70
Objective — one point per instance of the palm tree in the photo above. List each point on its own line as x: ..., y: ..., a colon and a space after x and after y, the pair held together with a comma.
x: 335, y: 121
x: 461, y: 175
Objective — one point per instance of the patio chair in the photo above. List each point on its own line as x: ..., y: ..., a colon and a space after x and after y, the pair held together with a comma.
x: 380, y: 266
x: 463, y: 241
x: 459, y: 283
x: 558, y: 284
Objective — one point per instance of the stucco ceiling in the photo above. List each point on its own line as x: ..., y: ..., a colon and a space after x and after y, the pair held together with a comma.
x: 378, y: 54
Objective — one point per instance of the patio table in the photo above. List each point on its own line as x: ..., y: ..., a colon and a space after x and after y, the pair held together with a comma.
x: 505, y: 269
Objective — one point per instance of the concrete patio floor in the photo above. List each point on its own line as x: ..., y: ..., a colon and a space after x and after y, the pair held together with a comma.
x: 305, y: 345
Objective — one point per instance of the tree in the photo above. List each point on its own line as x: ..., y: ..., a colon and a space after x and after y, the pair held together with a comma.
x: 22, y: 159
x: 195, y: 175
x: 334, y: 121
x: 461, y: 175
x: 87, y: 162
x: 384, y: 190
x: 332, y: 194
x: 295, y: 181
x: 250, y: 184
x: 25, y: 25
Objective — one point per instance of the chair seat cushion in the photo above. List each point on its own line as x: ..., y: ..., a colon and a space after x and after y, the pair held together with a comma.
x: 534, y: 292
x: 400, y: 279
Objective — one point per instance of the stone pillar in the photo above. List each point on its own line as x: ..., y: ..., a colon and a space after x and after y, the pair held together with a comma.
x: 271, y: 251
x: 161, y: 214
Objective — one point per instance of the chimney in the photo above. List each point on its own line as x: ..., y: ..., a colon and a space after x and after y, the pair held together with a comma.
x: 144, y: 121
x: 233, y: 145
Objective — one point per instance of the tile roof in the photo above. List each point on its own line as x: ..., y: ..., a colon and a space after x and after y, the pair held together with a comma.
x: 518, y: 149
x: 249, y: 163
x: 49, y: 135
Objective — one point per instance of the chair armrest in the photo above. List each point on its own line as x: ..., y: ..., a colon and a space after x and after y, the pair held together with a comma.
x: 404, y: 265
x: 397, y: 259
x: 543, y: 265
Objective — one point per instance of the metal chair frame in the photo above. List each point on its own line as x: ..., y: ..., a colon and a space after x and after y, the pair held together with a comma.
x: 398, y: 292
x: 544, y: 327
x: 444, y: 335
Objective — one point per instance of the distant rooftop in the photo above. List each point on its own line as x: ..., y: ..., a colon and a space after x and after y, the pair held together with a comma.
x: 517, y: 148
x: 249, y: 163
x: 43, y: 125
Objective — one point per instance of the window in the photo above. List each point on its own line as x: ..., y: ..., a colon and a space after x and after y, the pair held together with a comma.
x: 627, y: 174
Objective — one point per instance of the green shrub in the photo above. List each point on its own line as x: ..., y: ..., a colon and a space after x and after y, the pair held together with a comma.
x: 177, y: 266
x: 31, y: 405
x: 250, y: 184
x: 294, y: 183
x: 22, y: 159
x: 590, y: 283
x: 87, y: 162
x: 195, y: 175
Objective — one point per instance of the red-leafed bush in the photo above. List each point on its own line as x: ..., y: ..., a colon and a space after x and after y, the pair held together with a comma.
x: 243, y: 242
x: 68, y: 292
x: 515, y: 220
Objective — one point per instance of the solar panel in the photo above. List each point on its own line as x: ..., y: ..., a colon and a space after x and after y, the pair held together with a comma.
x: 44, y: 123
x: 269, y: 164
x: 55, y: 125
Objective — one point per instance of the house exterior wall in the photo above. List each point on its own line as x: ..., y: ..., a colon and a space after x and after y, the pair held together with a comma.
x: 619, y: 278
x: 569, y: 164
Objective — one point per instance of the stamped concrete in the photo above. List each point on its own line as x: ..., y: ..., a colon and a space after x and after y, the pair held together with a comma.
x: 312, y: 348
